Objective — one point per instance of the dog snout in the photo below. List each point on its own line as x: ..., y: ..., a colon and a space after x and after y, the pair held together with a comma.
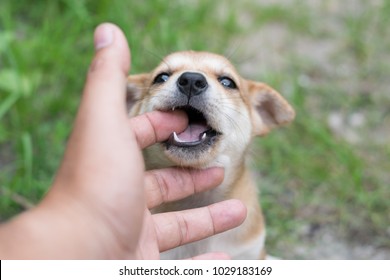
x: 191, y: 84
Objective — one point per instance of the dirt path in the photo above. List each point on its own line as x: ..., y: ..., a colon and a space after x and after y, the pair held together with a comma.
x: 274, y: 47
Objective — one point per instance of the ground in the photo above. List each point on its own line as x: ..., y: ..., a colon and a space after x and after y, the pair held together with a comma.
x: 332, y: 54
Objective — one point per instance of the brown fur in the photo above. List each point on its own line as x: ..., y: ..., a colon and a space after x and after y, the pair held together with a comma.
x: 238, y: 114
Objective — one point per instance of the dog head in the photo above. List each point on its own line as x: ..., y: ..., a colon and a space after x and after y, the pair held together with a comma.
x: 224, y: 110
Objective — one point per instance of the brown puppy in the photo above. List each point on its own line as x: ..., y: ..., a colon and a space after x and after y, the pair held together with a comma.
x: 225, y: 112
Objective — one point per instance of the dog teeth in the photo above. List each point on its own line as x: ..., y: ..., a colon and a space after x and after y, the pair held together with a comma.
x: 173, y: 109
x: 176, y: 138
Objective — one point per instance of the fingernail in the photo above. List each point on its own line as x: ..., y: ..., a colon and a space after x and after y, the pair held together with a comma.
x: 104, y: 36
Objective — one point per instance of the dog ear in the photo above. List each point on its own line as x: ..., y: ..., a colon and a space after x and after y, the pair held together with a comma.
x: 269, y: 108
x: 136, y: 85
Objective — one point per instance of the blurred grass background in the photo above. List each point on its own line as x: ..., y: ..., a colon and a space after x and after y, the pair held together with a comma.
x: 324, y: 179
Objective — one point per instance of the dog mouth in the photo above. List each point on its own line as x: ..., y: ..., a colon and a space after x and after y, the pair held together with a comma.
x: 198, y: 132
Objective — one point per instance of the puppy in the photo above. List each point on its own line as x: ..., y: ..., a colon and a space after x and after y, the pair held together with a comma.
x: 225, y: 113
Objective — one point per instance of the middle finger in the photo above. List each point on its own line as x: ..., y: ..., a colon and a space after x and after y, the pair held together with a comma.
x: 172, y: 184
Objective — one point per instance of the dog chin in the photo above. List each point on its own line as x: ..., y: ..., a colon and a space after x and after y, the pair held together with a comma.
x: 199, y: 156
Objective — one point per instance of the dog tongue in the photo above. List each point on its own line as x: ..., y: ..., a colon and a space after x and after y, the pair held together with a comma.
x: 192, y: 133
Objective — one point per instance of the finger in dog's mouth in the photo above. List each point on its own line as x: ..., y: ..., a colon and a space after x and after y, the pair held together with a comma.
x: 197, y: 133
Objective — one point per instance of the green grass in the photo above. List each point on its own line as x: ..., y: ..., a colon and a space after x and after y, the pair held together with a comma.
x: 310, y: 174
x: 45, y: 51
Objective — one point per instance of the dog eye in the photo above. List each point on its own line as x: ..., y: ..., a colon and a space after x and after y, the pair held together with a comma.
x: 227, y: 82
x: 161, y: 78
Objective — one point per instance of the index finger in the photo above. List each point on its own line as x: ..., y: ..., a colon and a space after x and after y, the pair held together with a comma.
x: 157, y: 126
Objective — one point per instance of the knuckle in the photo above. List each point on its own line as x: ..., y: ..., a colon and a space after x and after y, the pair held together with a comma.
x: 162, y: 186
x: 183, y: 229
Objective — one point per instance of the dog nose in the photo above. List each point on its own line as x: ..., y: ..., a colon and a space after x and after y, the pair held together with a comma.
x: 192, y: 84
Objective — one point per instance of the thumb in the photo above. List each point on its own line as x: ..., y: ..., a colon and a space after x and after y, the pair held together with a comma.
x: 105, y: 87
x: 102, y: 121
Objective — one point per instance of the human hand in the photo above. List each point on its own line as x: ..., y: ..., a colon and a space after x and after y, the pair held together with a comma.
x: 98, y: 206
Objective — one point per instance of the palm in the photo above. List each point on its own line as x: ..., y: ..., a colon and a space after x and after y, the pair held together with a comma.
x: 148, y: 248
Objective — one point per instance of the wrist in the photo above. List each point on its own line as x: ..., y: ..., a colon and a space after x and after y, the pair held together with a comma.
x: 48, y: 232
